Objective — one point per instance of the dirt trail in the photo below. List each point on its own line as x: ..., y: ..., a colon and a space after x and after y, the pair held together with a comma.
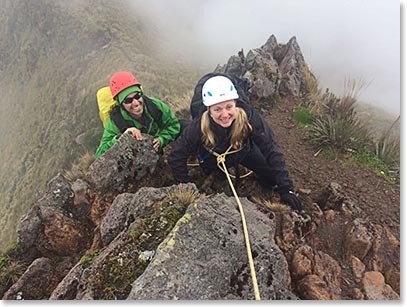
x: 377, y: 199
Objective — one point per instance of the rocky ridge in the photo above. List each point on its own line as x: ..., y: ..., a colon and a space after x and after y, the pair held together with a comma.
x: 127, y: 234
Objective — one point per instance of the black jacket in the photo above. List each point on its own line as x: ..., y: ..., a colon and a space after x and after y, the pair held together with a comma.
x: 262, y: 137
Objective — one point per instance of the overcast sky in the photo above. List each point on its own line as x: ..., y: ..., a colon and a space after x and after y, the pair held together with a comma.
x: 340, y: 39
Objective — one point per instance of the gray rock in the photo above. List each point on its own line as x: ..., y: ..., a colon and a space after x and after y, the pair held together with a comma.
x: 114, y: 221
x: 67, y: 288
x: 125, y: 209
x: 126, y: 162
x: 38, y: 280
x: 235, y: 66
x: 292, y: 69
x: 29, y: 228
x: 204, y: 257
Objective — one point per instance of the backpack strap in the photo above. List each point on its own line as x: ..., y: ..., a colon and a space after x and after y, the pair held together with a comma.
x: 155, y: 112
x: 246, y: 107
x: 117, y: 117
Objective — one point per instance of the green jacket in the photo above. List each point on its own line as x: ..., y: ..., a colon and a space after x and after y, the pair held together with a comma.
x: 166, y: 130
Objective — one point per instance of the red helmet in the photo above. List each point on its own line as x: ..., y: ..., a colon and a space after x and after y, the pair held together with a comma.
x: 122, y: 80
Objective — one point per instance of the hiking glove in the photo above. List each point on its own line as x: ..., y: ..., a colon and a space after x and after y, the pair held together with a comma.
x: 292, y: 200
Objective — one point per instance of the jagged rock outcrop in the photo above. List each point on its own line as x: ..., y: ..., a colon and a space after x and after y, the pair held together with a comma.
x: 273, y: 69
x: 109, y: 272
x: 54, y: 226
x: 125, y: 163
x: 173, y: 243
x: 204, y: 256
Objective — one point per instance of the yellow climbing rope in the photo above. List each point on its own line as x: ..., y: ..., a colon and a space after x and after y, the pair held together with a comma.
x: 227, y: 152
x: 221, y: 158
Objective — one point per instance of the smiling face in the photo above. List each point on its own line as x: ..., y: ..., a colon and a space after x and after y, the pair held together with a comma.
x: 134, y: 105
x: 224, y: 113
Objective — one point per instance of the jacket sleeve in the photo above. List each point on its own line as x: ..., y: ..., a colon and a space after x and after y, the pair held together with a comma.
x: 264, y: 138
x: 186, y: 144
x: 108, y: 138
x: 169, y: 126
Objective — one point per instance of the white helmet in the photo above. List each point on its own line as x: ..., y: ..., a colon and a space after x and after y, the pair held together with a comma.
x: 218, y: 89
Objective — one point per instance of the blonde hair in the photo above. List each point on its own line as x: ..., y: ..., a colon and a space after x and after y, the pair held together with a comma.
x: 239, y: 132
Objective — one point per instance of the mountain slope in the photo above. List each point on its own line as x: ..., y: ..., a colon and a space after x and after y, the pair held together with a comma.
x: 55, y: 55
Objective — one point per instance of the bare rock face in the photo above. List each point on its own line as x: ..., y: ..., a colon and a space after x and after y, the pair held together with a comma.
x: 125, y: 209
x: 128, y: 161
x: 263, y: 73
x: 68, y: 287
x: 204, y: 257
x: 334, y: 197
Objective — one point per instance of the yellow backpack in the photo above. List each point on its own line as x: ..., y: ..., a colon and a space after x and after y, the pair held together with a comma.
x: 105, y: 103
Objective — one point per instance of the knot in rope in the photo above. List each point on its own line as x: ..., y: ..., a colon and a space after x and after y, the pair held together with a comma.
x: 221, y: 159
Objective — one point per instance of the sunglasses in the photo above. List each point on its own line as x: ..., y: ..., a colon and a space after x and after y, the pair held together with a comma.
x: 130, y: 100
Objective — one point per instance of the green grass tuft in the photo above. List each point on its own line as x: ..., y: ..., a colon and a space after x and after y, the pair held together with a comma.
x: 303, y: 116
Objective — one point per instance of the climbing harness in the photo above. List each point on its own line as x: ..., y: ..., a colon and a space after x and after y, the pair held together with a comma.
x: 221, y: 159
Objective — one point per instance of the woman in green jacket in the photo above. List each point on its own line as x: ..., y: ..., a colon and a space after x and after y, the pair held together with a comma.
x: 136, y: 113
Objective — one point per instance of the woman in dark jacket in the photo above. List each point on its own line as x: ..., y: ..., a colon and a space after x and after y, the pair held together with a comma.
x: 225, y: 127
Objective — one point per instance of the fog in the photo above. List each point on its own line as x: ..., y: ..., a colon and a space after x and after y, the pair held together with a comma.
x: 340, y: 39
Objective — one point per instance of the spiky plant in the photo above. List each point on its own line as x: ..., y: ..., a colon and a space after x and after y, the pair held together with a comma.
x: 354, y: 87
x: 327, y: 131
x: 276, y: 207
x: 10, y: 271
x: 387, y: 147
x: 337, y: 124
x: 183, y: 194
